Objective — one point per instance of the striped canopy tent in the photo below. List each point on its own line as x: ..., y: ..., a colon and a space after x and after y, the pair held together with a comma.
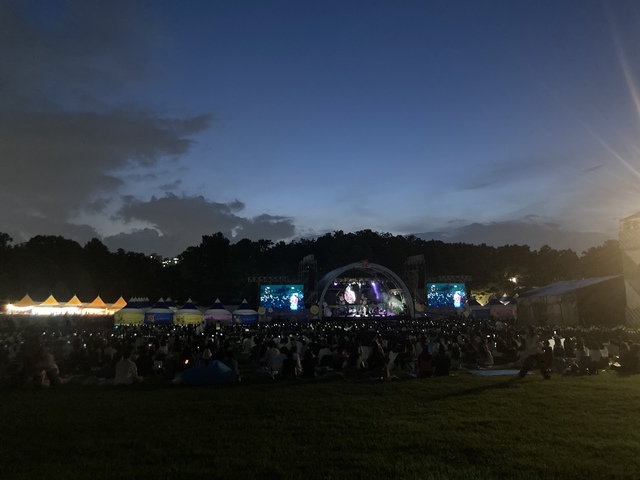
x: 130, y: 314
x: 50, y: 302
x: 160, y: 314
x: 120, y: 303
x: 25, y: 302
x: 145, y: 303
x: 49, y: 307
x: 244, y: 314
x: 189, y: 314
x: 73, y: 306
x: 23, y: 306
x: 97, y: 307
x: 171, y: 304
x: 73, y: 302
x: 217, y: 313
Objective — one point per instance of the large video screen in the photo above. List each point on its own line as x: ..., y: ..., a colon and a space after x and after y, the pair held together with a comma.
x: 282, y: 297
x: 446, y: 295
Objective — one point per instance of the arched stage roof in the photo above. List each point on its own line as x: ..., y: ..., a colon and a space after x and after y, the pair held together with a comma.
x: 368, y: 268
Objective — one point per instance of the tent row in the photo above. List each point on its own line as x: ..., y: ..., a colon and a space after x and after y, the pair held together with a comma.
x: 136, y: 313
x: 74, y: 306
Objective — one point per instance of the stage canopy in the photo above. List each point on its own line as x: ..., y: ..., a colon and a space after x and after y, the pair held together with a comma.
x: 362, y: 289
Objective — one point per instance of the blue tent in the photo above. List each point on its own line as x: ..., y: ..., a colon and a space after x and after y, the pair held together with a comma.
x: 244, y: 314
x: 217, y: 312
x: 160, y: 314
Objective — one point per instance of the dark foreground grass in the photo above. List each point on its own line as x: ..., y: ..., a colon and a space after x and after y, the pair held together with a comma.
x: 464, y: 427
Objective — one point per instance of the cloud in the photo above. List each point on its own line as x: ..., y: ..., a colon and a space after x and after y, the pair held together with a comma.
x: 71, y: 51
x: 535, y: 233
x: 180, y: 222
x: 61, y: 140
x: 594, y: 168
x: 57, y: 162
x: 550, y: 164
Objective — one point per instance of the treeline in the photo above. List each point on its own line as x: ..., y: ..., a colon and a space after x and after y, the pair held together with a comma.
x: 217, y: 268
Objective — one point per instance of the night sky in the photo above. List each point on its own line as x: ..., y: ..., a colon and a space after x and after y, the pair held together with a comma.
x: 148, y: 124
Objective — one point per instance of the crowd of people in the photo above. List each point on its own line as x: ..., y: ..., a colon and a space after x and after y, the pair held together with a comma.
x: 361, y: 349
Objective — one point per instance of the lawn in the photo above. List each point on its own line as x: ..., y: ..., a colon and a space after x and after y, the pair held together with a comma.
x: 463, y: 426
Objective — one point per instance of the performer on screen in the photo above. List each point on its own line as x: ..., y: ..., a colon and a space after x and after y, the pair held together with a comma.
x: 457, y: 300
x: 293, y: 301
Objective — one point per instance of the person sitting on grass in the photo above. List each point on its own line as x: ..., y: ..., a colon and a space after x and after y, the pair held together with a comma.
x: 351, y: 368
x: 456, y: 357
x: 291, y: 367
x: 442, y: 363
x: 533, y: 355
x: 309, y: 363
x: 126, y: 370
x: 228, y: 358
x: 270, y: 358
x: 558, y: 349
x: 547, y: 359
x: 628, y: 360
x: 48, y: 365
x: 425, y: 364
x: 325, y: 356
x: 485, y: 359
x: 377, y: 361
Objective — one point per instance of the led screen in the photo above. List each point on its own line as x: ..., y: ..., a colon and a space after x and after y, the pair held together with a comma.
x: 282, y: 297
x: 446, y: 295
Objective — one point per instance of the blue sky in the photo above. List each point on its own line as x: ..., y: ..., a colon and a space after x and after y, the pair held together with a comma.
x: 149, y: 124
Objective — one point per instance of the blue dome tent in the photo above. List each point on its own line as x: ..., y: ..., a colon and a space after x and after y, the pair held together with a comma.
x: 160, y: 314
x: 244, y: 314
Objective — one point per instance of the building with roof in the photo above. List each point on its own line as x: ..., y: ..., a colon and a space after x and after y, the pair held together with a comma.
x: 588, y: 302
x: 629, y: 241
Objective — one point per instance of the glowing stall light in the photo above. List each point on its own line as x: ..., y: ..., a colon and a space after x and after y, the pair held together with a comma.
x: 49, y: 307
x: 18, y: 310
x: 71, y: 310
x: 46, y: 311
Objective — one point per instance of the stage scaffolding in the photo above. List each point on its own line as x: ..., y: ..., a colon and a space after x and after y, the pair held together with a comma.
x: 414, y: 277
x: 308, y: 276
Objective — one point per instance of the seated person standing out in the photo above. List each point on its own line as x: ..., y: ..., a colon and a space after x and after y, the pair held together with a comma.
x: 126, y: 370
x: 425, y: 364
x: 442, y: 363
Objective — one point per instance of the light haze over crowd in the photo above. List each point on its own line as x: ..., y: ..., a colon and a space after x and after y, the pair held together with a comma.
x: 151, y: 123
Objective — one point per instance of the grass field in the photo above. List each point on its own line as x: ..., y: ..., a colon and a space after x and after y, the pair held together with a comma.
x: 463, y: 426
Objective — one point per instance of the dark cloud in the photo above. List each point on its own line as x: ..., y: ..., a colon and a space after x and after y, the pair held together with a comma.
x: 60, y: 142
x: 22, y: 227
x: 180, y: 222
x: 59, y: 161
x: 74, y: 51
x: 169, y: 187
x: 145, y: 240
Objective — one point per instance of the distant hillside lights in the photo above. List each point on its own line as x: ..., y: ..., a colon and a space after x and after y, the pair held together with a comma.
x: 166, y: 262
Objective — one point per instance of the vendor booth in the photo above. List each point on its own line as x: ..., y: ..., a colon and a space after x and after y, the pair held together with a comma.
x: 218, y: 313
x: 160, y: 314
x: 189, y: 314
x: 244, y: 314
